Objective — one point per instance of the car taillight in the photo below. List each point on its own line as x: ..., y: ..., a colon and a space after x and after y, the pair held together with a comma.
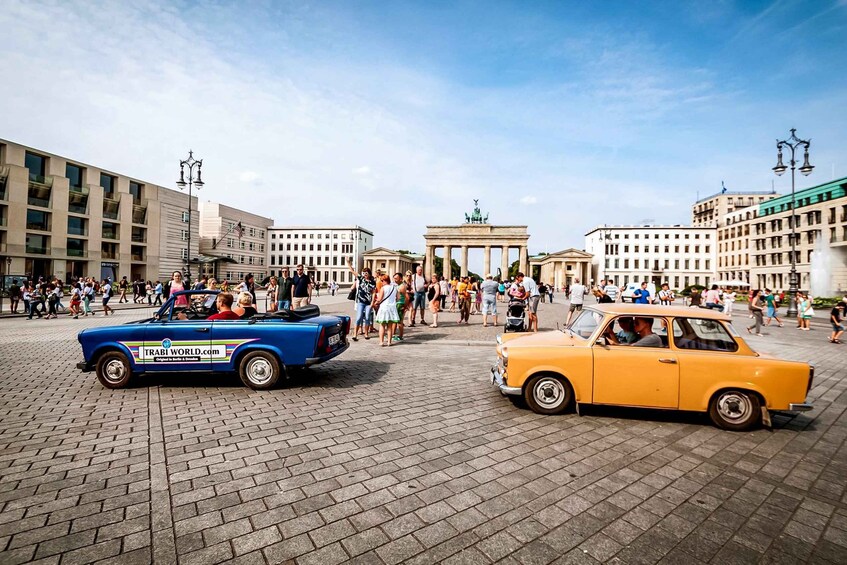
x: 322, y: 340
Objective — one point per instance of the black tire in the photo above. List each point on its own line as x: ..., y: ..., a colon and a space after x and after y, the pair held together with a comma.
x: 259, y: 370
x: 735, y: 410
x: 548, y: 394
x: 114, y: 370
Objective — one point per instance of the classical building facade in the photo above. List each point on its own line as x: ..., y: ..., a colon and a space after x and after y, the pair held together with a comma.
x: 389, y: 261
x: 679, y: 255
x: 233, y: 242
x: 476, y: 232
x: 323, y: 250
x: 820, y: 224
x: 709, y: 212
x: 64, y: 218
x: 561, y: 268
x: 734, y: 244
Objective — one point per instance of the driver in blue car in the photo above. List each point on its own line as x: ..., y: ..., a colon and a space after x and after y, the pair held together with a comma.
x: 224, y: 303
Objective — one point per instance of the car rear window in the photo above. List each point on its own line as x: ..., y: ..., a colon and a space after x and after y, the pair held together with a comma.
x: 702, y: 334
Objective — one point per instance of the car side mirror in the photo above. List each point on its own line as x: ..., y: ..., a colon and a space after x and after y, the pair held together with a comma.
x: 601, y: 341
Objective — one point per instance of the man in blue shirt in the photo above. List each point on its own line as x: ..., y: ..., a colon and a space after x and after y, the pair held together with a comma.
x: 302, y: 288
x: 642, y: 295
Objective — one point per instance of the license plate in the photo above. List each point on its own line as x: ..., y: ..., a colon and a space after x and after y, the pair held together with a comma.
x: 334, y: 339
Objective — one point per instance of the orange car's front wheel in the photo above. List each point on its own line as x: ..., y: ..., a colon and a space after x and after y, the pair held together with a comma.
x: 548, y: 394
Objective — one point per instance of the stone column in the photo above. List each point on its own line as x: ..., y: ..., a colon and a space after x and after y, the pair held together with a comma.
x: 464, y: 263
x: 504, y: 262
x: 486, y: 260
x: 447, y: 262
x: 429, y: 261
x: 523, y: 263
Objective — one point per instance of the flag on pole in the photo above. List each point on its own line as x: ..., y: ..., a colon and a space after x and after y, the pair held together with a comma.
x: 239, y: 230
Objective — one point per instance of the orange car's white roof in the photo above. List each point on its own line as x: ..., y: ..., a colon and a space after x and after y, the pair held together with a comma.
x: 648, y: 310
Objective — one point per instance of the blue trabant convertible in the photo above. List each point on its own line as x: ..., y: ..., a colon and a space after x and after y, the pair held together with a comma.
x: 179, y: 338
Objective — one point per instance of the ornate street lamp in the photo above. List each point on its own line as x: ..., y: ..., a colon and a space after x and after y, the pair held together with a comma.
x: 793, y: 143
x: 191, y: 162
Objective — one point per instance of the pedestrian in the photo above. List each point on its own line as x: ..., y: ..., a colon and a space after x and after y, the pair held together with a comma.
x: 770, y: 301
x: 533, y: 298
x: 107, y: 295
x: 283, y: 291
x: 454, y: 295
x: 433, y: 295
x: 76, y: 301
x: 476, y: 296
x: 666, y: 295
x: 463, y: 292
x: 444, y: 287
x: 148, y: 291
x: 577, y: 296
x: 642, y: 295
x: 757, y: 306
x: 552, y: 287
x: 272, y: 290
x: 157, y: 293
x: 386, y: 315
x: 402, y: 305
x: 419, y: 286
x: 542, y: 291
x: 611, y: 290
x: 176, y: 284
x: 122, y: 287
x: 14, y: 296
x: 87, y: 293
x: 713, y: 299
x: 59, y: 294
x: 365, y: 285
x: 52, y: 300
x: 248, y: 285
x: 302, y: 288
x: 695, y: 298
x: 333, y: 287
x: 29, y: 300
x: 728, y: 302
x: 805, y: 312
x: 836, y: 318
x: 490, y: 288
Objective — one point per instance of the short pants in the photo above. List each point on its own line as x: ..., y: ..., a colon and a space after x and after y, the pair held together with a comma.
x: 489, y: 305
x: 533, y: 303
x: 419, y: 300
x: 575, y: 308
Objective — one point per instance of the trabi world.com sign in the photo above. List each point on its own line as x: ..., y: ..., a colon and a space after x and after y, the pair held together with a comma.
x: 181, y: 352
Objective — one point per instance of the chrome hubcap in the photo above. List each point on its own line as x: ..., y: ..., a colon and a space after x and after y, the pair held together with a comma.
x: 549, y: 393
x: 260, y: 371
x: 734, y: 407
x: 114, y: 371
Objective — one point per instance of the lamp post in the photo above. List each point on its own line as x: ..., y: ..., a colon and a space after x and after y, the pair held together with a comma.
x: 793, y: 143
x: 191, y: 162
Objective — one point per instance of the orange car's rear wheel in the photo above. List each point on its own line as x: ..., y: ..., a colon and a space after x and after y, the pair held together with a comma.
x: 548, y: 394
x: 735, y: 410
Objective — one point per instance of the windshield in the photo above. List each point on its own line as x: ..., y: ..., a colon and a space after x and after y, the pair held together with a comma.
x: 586, y: 323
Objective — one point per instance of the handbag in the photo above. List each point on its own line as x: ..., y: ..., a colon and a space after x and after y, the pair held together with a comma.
x: 352, y: 294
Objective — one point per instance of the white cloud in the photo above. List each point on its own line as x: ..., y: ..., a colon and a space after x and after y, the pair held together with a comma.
x: 364, y: 170
x: 528, y: 200
x: 248, y: 176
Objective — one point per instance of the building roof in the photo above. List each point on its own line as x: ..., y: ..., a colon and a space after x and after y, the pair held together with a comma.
x: 571, y: 252
x: 328, y: 228
x: 815, y: 194
x: 737, y: 193
x: 647, y: 226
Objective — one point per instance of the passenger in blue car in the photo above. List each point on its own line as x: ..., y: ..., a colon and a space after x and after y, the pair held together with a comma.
x: 224, y: 303
x: 245, y: 308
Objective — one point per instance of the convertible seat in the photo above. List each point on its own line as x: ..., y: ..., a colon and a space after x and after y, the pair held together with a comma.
x: 303, y: 313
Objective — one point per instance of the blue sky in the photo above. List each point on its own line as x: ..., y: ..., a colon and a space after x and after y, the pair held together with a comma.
x: 395, y: 115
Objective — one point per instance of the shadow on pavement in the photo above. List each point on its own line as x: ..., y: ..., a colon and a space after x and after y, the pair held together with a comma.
x: 335, y: 374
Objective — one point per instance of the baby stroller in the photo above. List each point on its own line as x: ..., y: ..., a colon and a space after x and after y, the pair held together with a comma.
x: 516, y: 316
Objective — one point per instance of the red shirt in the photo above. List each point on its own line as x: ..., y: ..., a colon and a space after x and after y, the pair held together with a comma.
x: 225, y: 315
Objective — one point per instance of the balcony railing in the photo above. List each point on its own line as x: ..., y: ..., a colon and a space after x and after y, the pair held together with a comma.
x: 39, y: 195
x: 139, y: 238
x: 139, y: 214
x: 78, y: 199
x: 111, y: 208
x: 138, y: 257
x: 77, y: 253
x: 41, y: 180
x: 36, y: 250
x: 109, y: 254
x: 4, y: 180
x: 110, y: 234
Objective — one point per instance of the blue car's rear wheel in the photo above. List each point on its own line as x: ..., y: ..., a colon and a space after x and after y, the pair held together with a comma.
x: 260, y: 370
x: 113, y: 369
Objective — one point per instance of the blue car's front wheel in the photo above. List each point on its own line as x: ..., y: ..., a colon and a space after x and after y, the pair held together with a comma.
x: 113, y: 369
x: 260, y: 370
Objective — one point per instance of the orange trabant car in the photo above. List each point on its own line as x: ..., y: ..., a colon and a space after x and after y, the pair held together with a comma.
x: 648, y: 356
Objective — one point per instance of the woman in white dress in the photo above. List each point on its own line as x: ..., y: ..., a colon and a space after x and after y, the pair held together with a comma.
x: 387, y: 313
x: 728, y: 301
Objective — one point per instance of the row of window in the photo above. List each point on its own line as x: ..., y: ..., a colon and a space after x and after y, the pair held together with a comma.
x: 37, y: 166
x: 800, y: 202
x: 39, y: 244
x: 658, y: 236
x: 657, y: 265
x: 246, y: 230
x: 614, y: 249
x: 345, y: 247
x: 312, y: 236
x: 337, y: 261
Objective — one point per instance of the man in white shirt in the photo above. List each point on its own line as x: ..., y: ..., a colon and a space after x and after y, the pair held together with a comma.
x: 533, y: 298
x: 419, y: 285
x: 577, y: 297
x: 611, y: 290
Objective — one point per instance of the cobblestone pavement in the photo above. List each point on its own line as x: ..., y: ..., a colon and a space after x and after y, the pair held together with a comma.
x: 387, y: 455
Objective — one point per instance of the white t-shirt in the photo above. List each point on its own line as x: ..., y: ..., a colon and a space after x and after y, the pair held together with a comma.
x: 420, y: 283
x: 577, y: 293
x: 530, y: 287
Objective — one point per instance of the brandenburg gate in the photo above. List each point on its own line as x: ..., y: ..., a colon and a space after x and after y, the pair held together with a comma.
x: 476, y: 232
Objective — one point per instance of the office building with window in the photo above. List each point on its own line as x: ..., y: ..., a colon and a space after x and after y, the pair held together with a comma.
x: 323, y: 251
x: 734, y: 244
x: 820, y: 246
x: 679, y: 255
x: 233, y: 243
x: 710, y: 211
x: 63, y: 218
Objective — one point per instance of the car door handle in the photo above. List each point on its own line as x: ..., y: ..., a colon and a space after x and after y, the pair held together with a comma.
x: 201, y: 329
x: 667, y: 360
